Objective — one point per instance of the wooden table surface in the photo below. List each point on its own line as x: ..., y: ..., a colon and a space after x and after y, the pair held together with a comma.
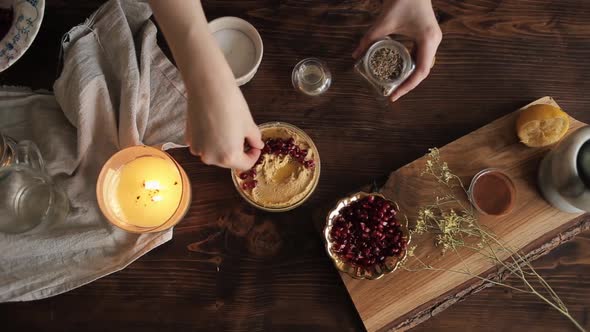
x: 228, y: 268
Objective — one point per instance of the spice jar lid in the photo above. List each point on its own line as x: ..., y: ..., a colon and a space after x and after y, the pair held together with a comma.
x: 241, y: 45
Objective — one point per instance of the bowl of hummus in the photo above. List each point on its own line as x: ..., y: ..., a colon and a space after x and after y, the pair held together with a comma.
x: 286, y: 173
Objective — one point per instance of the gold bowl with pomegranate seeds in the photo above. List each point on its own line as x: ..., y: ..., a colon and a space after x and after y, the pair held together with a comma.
x: 364, y: 237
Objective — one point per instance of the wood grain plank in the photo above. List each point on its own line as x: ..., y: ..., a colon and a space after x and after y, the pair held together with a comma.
x: 492, y: 146
x: 495, y: 57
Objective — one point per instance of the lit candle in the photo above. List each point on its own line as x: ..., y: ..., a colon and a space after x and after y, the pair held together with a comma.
x: 148, y: 191
x: 143, y: 189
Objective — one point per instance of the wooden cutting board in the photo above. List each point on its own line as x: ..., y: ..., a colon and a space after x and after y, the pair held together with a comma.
x: 403, y: 299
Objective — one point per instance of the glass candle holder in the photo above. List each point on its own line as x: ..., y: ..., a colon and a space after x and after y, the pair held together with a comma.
x: 141, y: 189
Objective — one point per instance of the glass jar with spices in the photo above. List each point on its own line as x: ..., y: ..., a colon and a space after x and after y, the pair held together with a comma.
x: 385, y: 65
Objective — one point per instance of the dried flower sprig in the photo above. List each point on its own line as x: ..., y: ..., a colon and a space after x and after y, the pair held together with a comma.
x: 455, y: 227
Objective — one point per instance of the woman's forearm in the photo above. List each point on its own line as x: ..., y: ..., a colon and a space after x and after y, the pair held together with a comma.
x: 198, y: 57
x: 219, y: 122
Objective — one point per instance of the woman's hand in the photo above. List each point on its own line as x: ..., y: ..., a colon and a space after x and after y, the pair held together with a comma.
x: 414, y: 19
x: 219, y: 124
x: 218, y: 128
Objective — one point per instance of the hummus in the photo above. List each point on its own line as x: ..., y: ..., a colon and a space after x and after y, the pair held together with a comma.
x: 281, y: 180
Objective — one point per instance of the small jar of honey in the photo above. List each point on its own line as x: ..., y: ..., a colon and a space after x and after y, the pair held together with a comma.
x: 492, y: 192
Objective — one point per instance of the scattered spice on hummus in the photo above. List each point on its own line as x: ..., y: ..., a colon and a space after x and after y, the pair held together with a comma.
x: 286, y: 171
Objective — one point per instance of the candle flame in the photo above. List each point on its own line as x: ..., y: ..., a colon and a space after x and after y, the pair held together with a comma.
x: 152, y: 185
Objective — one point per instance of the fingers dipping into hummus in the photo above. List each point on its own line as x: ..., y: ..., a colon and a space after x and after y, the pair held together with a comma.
x: 286, y: 173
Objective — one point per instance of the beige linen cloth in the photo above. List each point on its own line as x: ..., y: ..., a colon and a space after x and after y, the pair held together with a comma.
x: 116, y: 89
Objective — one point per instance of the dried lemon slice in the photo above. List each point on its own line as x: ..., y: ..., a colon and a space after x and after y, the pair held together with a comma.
x: 541, y: 125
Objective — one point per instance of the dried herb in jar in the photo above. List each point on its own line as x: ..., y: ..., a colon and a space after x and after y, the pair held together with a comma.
x: 386, y: 64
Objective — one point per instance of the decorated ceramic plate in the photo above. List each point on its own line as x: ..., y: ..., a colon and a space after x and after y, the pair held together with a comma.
x: 26, y: 18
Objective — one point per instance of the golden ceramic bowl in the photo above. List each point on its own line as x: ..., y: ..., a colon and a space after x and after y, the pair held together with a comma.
x: 376, y: 271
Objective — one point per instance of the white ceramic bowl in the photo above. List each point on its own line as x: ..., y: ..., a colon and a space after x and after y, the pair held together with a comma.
x: 27, y: 18
x: 241, y: 45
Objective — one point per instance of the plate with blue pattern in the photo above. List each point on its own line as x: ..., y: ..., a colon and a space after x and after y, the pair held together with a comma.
x: 26, y: 22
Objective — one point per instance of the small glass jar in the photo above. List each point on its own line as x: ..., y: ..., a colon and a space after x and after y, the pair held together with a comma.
x: 311, y: 76
x: 492, y: 192
x: 385, y: 87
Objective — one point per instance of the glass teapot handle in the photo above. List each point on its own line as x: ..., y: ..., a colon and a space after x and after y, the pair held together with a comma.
x: 28, y: 153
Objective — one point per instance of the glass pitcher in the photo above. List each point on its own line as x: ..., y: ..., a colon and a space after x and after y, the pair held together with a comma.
x: 28, y: 196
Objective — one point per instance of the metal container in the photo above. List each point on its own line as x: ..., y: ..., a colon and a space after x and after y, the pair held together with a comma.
x: 563, y: 174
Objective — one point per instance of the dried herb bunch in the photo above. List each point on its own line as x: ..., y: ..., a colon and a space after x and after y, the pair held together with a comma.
x: 455, y: 227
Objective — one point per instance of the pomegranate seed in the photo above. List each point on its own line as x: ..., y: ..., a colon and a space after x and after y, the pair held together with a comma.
x: 249, y: 185
x: 309, y: 163
x: 280, y: 147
